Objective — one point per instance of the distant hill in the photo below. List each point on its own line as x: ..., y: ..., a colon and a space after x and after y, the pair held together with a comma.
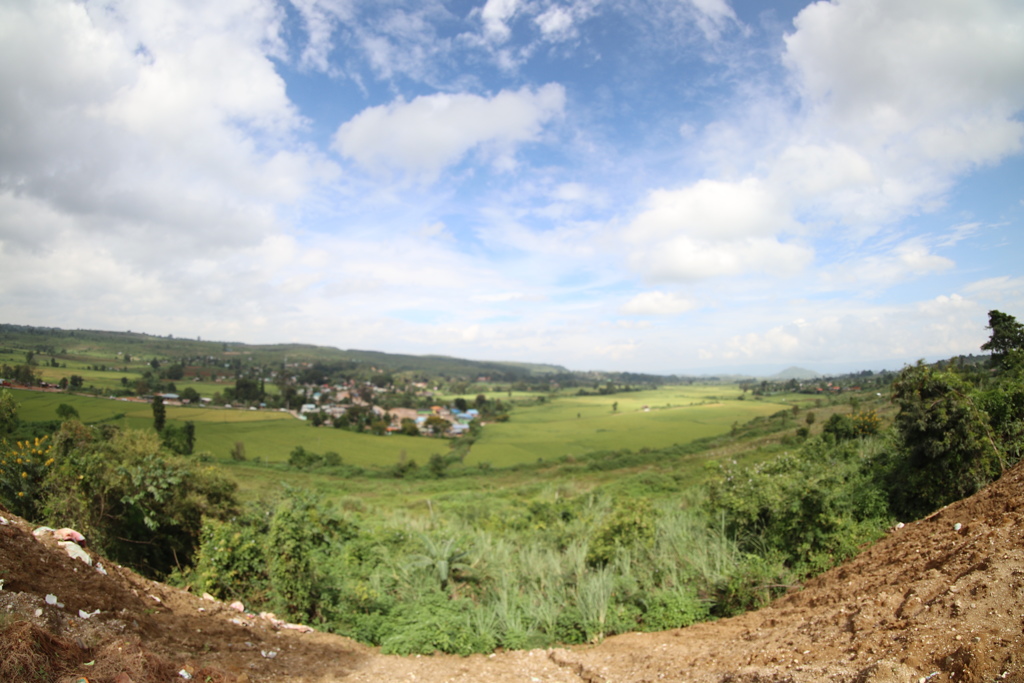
x: 794, y: 372
x: 97, y: 343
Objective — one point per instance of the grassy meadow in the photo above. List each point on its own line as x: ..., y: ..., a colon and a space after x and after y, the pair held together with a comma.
x: 550, y: 435
x: 540, y: 428
x: 269, y: 436
x: 572, y: 425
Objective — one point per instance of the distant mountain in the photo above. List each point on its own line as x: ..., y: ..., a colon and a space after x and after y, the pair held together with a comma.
x: 95, y: 345
x: 794, y: 372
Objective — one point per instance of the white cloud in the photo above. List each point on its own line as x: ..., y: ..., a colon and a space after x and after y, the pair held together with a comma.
x: 959, y: 233
x: 658, y: 303
x: 683, y: 259
x: 941, y: 327
x: 909, y: 258
x: 921, y: 90
x: 713, y: 16
x: 146, y: 115
x: 1004, y: 291
x: 571, y: 192
x: 713, y: 210
x: 431, y: 132
x: 711, y: 229
x: 320, y: 17
x: 811, y: 171
x: 556, y: 23
x: 495, y: 15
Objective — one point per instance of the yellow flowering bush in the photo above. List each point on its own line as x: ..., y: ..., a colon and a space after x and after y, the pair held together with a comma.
x: 23, y: 466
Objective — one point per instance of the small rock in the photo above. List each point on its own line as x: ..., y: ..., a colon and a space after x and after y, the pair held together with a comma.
x: 123, y: 678
x: 209, y: 598
x: 51, y: 599
x: 885, y: 671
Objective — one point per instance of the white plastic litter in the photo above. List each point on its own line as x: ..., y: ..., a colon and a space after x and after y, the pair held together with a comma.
x: 51, y: 599
x: 3, y: 521
x: 186, y: 675
x: 87, y: 615
x: 75, y: 551
x: 42, y: 530
x: 100, y: 569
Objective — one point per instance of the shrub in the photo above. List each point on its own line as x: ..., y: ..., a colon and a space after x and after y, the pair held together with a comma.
x: 947, y: 438
x: 232, y: 559
x: 301, y: 531
x: 630, y: 525
x: 673, y: 608
x: 23, y: 466
x: 841, y: 427
x: 434, y: 624
x: 137, y: 504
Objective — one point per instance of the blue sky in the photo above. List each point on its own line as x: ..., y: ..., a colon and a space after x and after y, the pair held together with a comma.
x: 647, y: 185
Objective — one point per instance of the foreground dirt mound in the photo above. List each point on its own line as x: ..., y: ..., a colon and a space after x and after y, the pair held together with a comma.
x: 937, y: 600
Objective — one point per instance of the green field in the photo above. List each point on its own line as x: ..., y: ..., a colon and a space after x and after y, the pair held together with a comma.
x: 574, y: 425
x: 269, y: 436
x: 565, y: 425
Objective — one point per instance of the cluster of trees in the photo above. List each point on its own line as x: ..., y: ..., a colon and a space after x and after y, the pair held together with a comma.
x: 19, y: 374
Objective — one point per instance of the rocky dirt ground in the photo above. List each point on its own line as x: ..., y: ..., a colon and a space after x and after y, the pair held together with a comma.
x: 941, y: 599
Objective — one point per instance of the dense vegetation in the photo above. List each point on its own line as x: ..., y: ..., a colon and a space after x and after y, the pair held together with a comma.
x: 480, y: 567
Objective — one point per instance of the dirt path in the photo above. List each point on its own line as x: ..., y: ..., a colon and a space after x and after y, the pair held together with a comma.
x: 932, y: 601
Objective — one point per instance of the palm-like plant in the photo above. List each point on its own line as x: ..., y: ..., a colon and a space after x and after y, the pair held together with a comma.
x: 443, y: 557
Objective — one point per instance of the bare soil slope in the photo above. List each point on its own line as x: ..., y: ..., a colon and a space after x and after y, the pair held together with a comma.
x: 932, y: 601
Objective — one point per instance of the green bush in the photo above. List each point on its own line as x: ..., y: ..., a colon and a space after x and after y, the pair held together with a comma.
x: 434, y: 624
x: 841, y: 427
x: 23, y: 467
x: 232, y: 560
x: 301, y: 535
x: 673, y: 608
x: 949, y: 444
x: 815, y: 506
x: 136, y: 503
x: 630, y: 525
